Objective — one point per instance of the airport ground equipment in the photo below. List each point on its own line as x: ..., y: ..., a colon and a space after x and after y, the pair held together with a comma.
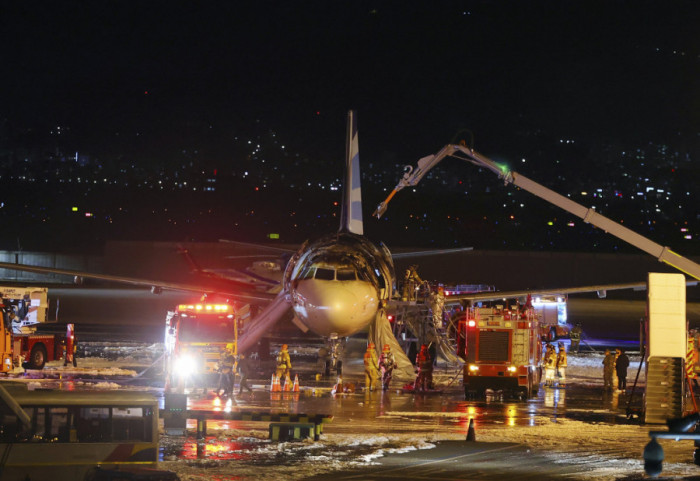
x: 282, y: 425
x: 24, y: 310
x: 501, y: 348
x: 589, y: 215
x: 195, y: 336
x: 666, y: 348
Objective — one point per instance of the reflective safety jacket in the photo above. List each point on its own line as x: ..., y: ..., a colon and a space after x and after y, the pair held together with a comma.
x: 561, y: 358
x: 283, y: 359
x: 371, y: 360
x: 226, y: 363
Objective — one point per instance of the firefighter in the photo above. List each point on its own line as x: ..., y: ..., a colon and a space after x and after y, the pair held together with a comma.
x: 437, y: 306
x: 561, y: 366
x: 406, y: 289
x: 244, y: 371
x: 550, y: 364
x: 575, y: 336
x: 424, y: 381
x: 225, y: 369
x: 411, y: 281
x: 371, y: 367
x: 70, y: 348
x: 621, y: 364
x: 387, y: 364
x: 608, y: 370
x: 284, y: 363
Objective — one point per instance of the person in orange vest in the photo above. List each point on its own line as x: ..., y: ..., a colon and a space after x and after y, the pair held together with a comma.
x: 387, y: 363
x: 371, y: 367
x: 424, y: 381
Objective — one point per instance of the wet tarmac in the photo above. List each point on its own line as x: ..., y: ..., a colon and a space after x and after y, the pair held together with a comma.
x: 400, y: 417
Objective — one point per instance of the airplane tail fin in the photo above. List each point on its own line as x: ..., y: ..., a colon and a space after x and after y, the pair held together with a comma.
x: 351, y: 214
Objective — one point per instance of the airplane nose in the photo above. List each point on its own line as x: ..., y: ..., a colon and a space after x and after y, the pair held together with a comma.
x: 331, y: 307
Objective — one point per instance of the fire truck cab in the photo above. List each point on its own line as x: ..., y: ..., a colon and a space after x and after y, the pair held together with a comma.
x: 501, y: 348
x: 24, y: 309
x: 195, y: 336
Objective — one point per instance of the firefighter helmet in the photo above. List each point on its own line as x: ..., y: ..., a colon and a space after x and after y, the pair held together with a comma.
x: 386, y: 347
x: 284, y: 347
x: 370, y: 345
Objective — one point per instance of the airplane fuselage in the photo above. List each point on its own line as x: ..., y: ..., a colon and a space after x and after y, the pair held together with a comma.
x: 338, y: 283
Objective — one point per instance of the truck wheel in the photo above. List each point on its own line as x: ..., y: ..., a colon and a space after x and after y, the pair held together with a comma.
x: 37, y: 357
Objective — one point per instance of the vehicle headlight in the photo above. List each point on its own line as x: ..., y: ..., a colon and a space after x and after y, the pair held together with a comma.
x: 473, y: 367
x: 185, y: 366
x: 512, y: 368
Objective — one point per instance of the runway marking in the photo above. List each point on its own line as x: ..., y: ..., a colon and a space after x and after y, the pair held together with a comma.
x: 434, y: 461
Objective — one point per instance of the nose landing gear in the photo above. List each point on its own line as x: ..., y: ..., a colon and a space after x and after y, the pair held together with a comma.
x: 333, y: 363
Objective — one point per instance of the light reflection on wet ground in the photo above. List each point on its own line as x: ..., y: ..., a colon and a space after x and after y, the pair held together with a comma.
x: 391, y: 412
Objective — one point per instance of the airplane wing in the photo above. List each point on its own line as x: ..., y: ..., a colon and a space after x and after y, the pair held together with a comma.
x: 600, y: 289
x: 237, y: 290
x: 278, y: 250
x: 433, y: 252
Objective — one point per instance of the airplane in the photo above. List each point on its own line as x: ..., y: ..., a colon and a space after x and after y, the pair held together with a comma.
x: 335, y: 286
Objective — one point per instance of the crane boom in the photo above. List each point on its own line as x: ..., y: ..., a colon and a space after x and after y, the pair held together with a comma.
x: 413, y: 176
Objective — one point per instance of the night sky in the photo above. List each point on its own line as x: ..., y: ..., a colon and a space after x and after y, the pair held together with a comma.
x: 416, y: 72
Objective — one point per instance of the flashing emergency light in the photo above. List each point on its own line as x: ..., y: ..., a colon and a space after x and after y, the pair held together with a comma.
x: 222, y: 308
x: 74, y: 209
x: 471, y: 323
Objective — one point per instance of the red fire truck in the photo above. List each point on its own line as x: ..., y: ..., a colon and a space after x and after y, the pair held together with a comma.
x: 502, y: 349
x: 24, y: 309
x: 195, y: 335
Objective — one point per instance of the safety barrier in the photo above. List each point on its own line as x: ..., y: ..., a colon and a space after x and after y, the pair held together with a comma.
x: 176, y: 414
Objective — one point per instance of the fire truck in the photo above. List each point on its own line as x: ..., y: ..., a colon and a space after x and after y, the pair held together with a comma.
x: 502, y: 350
x: 24, y: 311
x: 195, y: 336
x: 552, y: 314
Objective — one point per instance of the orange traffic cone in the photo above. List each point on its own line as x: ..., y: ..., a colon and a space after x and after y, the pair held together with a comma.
x: 278, y: 386
x: 471, y: 435
x: 295, y: 388
x: 272, y: 384
x: 287, y: 384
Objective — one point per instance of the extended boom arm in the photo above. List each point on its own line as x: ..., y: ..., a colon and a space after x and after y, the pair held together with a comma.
x: 589, y: 215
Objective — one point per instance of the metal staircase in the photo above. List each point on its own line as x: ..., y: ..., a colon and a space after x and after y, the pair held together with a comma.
x: 413, y: 325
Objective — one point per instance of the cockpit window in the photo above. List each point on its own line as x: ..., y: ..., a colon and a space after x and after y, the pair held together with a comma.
x: 346, y: 275
x: 308, y: 273
x: 324, y: 274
